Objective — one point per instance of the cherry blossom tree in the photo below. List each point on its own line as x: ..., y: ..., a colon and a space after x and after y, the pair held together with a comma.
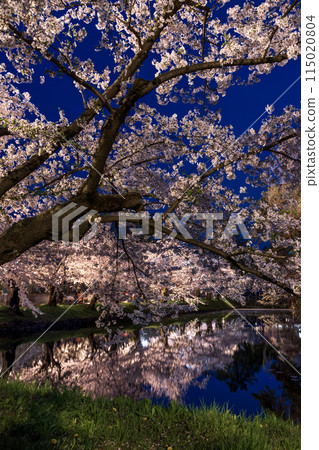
x: 127, y: 151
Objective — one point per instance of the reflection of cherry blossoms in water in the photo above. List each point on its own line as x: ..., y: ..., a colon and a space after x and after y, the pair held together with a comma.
x: 162, y: 362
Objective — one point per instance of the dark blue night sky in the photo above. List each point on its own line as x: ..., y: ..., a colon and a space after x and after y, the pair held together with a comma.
x: 240, y: 107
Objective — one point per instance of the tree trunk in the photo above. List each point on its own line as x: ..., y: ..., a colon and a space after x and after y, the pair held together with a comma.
x: 53, y: 296
x: 13, y: 300
x: 93, y: 344
x: 164, y: 337
x: 8, y: 358
x: 209, y: 296
x: 93, y: 301
x: 48, y: 359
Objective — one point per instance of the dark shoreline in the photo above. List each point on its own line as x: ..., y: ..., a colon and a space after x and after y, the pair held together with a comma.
x: 20, y: 327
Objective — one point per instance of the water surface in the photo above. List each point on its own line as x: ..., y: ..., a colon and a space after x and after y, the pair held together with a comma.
x: 213, y: 359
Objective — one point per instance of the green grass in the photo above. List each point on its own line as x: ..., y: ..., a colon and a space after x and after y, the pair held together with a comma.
x: 10, y: 321
x: 34, y: 417
x: 53, y: 312
x: 50, y: 313
x: 214, y: 304
x: 79, y: 311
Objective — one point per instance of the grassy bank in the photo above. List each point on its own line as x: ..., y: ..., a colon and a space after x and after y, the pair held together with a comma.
x: 50, y: 313
x: 42, y: 417
x: 77, y: 312
x: 82, y: 316
x: 83, y: 311
x: 14, y: 326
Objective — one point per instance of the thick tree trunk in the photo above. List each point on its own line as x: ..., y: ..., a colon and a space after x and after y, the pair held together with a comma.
x: 31, y: 231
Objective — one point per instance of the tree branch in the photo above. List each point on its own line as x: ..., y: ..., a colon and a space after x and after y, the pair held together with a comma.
x: 4, y: 131
x: 274, y: 31
x: 64, y: 69
x: 212, y: 249
x: 31, y: 231
x: 12, y: 178
x: 237, y: 264
x: 130, y: 259
x: 25, y: 169
x: 228, y: 163
x: 174, y: 73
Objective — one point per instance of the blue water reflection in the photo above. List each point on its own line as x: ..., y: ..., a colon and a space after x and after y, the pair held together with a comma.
x: 213, y: 359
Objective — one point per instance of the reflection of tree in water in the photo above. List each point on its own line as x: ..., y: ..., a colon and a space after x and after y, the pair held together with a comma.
x: 247, y: 361
x: 287, y: 401
x: 164, y: 362
x: 8, y: 357
x: 49, y: 360
x: 250, y: 358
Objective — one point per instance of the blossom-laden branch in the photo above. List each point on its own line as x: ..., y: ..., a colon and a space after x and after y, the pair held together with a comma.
x: 224, y: 164
x: 64, y: 69
x: 231, y: 259
x: 186, y: 42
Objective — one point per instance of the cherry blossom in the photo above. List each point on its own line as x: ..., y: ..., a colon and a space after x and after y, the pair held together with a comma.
x: 124, y: 153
